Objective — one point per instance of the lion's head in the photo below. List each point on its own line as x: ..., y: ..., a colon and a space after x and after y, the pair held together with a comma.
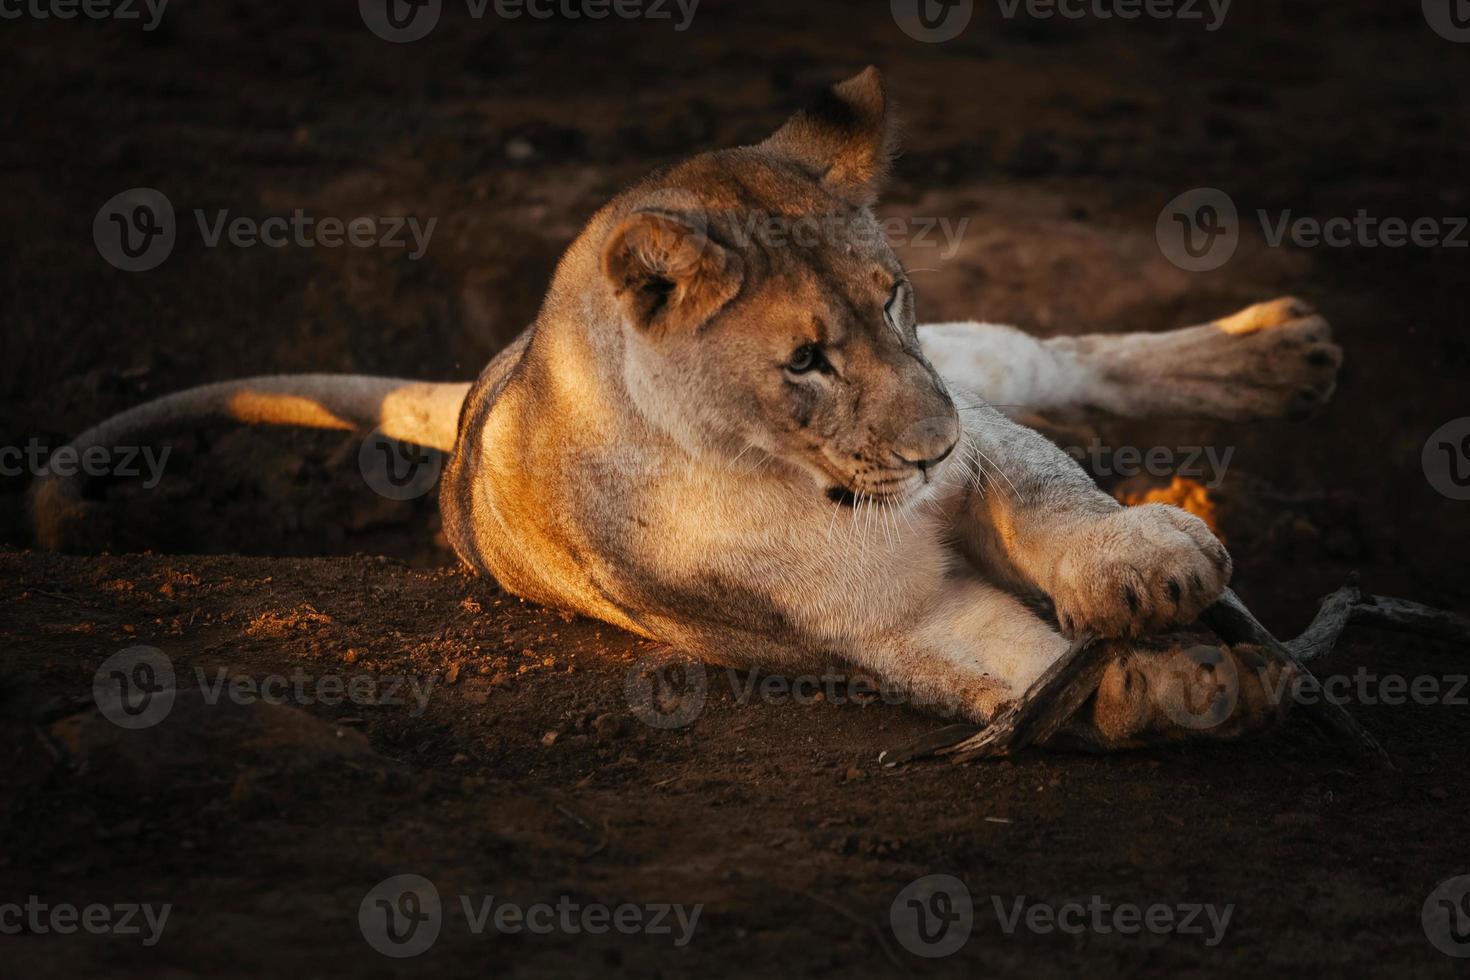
x: 763, y: 312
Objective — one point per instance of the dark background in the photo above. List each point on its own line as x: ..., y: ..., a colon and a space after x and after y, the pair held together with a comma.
x: 1059, y: 141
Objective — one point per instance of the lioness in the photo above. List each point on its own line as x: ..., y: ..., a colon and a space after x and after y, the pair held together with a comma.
x: 750, y: 451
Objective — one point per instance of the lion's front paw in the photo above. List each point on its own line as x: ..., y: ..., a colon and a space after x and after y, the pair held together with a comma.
x: 1205, y: 691
x: 1140, y: 570
x: 1270, y: 360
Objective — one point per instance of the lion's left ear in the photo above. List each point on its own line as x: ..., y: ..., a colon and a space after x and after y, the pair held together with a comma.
x: 667, y: 274
x: 846, y: 138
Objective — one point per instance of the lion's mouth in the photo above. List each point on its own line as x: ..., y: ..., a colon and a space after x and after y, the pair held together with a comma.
x: 847, y: 497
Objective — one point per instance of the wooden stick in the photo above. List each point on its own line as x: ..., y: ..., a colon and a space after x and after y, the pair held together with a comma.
x: 1234, y: 623
x: 1047, y: 705
x: 1350, y: 604
x: 1055, y: 697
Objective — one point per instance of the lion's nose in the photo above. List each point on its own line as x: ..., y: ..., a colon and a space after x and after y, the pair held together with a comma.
x: 928, y: 444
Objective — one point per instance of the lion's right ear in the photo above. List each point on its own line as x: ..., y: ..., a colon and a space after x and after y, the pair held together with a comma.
x: 846, y: 138
x: 667, y: 274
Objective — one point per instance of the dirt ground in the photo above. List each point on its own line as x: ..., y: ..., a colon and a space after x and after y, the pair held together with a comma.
x: 527, y: 774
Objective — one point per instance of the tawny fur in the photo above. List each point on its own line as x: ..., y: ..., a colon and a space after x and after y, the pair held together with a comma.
x: 649, y: 452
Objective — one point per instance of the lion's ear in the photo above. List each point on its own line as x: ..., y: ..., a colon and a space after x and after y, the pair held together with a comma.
x: 667, y: 274
x: 846, y: 138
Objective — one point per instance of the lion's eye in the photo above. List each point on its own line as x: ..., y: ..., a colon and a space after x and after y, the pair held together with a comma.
x: 807, y: 357
x: 893, y: 309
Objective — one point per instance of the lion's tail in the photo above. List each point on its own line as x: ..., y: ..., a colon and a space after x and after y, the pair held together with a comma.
x: 415, y: 411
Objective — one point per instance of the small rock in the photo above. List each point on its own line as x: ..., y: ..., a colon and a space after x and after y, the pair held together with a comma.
x: 451, y: 676
x: 550, y: 738
x: 607, y: 726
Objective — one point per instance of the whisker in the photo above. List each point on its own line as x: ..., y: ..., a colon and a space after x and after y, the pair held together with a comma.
x: 748, y: 447
x: 996, y: 466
